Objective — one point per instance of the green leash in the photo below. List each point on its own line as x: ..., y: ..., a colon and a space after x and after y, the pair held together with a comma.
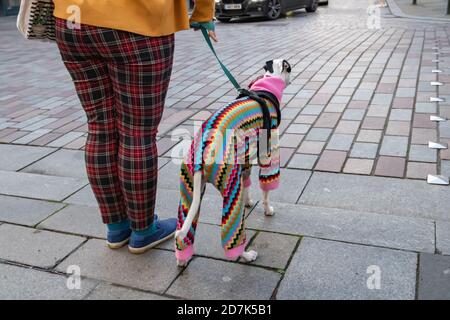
x: 224, y: 68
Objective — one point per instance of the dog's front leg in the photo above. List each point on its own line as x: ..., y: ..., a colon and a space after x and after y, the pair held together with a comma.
x: 247, y: 198
x: 268, y: 210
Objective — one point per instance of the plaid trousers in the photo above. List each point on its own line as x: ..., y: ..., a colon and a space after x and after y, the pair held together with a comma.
x: 121, y: 79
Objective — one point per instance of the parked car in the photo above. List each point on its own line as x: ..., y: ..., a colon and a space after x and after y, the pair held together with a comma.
x: 272, y: 9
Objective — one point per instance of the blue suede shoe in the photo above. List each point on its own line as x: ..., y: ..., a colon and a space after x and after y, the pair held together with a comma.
x: 162, y: 230
x: 116, y: 239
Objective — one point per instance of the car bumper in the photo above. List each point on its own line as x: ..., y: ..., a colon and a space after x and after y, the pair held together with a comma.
x: 248, y: 10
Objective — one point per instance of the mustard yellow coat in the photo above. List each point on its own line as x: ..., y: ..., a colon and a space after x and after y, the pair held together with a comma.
x: 146, y: 17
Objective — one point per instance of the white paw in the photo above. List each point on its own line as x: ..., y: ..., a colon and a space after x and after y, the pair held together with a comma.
x: 249, y: 203
x: 182, y: 263
x: 249, y: 256
x: 269, y: 211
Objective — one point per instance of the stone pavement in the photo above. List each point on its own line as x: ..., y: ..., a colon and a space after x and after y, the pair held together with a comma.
x: 354, y: 217
x: 435, y: 9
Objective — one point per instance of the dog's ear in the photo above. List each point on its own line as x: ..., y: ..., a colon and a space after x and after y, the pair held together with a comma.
x: 287, y: 66
x: 269, y: 66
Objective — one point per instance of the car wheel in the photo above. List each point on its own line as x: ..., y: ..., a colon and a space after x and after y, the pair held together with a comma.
x: 224, y: 20
x: 312, y: 6
x: 273, y: 9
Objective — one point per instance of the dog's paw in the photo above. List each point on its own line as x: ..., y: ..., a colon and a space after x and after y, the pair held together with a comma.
x: 269, y: 211
x: 249, y: 203
x: 182, y: 263
x: 249, y: 256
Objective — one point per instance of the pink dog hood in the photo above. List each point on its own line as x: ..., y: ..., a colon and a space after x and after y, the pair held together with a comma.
x: 274, y: 85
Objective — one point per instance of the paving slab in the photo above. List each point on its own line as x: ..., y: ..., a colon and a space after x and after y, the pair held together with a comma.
x: 434, y: 277
x: 220, y: 280
x: 63, y: 163
x: 111, y: 292
x: 82, y: 220
x: 394, y: 146
x: 35, y: 247
x: 377, y: 194
x: 83, y: 197
x: 26, y: 211
x: 443, y: 237
x: 39, y: 186
x: 324, y: 269
x: 406, y: 233
x: 292, y: 183
x: 15, y: 157
x: 22, y: 283
x: 274, y: 250
x: 153, y: 271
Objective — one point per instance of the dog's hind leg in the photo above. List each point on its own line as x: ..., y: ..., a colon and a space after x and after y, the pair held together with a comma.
x: 188, y: 211
x: 233, y: 228
x: 248, y: 202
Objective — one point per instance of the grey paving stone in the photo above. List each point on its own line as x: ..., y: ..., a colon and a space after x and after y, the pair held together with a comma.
x: 297, y: 128
x: 76, y: 219
x: 340, y: 141
x: 207, y: 241
x: 353, y: 114
x: 39, y: 186
x: 84, y: 197
x: 219, y: 280
x: 332, y: 270
x: 303, y: 161
x: 312, y: 110
x: 35, y: 247
x: 382, y: 99
x: 21, y: 283
x: 318, y: 134
x: 274, y: 250
x: 443, y: 237
x: 426, y: 107
x: 364, y: 150
x: 394, y: 146
x: 422, y: 153
x: 434, y: 277
x: 377, y: 194
x: 361, y: 227
x: 153, y: 271
x: 444, y: 129
x: 63, y: 163
x: 26, y: 211
x: 15, y: 157
x: 400, y: 115
x: 111, y: 292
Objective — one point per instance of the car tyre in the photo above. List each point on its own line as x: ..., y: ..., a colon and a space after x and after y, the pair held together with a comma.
x: 224, y: 20
x: 274, y: 9
x: 312, y: 6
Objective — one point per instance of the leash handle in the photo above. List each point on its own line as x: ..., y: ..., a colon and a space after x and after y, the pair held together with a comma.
x: 224, y: 68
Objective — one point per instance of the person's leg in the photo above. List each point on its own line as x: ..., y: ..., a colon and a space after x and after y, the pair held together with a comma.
x: 140, y: 68
x: 94, y: 88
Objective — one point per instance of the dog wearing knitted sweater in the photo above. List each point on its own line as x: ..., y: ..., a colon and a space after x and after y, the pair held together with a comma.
x: 222, y: 154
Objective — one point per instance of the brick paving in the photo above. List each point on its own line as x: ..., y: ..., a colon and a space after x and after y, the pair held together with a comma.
x: 354, y: 151
x: 350, y: 86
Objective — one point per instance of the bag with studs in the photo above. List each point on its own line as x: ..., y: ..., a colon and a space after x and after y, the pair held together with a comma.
x: 36, y: 21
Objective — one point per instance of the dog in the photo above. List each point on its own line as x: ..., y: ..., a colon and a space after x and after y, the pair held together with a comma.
x: 222, y: 159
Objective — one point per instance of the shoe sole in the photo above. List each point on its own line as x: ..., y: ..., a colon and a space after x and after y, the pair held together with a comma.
x: 151, y: 245
x: 118, y: 245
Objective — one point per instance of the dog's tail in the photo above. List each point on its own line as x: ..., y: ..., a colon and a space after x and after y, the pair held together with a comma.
x: 195, y: 205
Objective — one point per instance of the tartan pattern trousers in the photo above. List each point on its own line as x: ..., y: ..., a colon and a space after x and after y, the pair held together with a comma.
x: 121, y: 79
